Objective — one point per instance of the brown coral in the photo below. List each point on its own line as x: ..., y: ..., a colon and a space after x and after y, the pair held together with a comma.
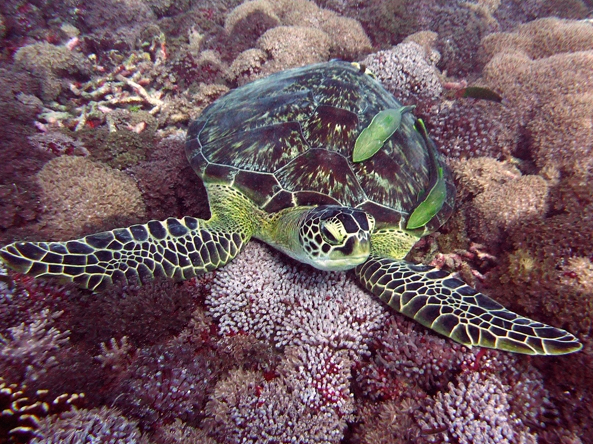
x: 541, y: 38
x: 549, y: 87
x: 289, y: 34
x: 50, y: 64
x: 80, y: 195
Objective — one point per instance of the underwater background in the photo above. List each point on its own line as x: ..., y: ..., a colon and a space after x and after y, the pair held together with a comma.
x: 95, y: 99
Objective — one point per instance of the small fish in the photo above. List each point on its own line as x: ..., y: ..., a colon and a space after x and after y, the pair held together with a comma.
x: 477, y: 92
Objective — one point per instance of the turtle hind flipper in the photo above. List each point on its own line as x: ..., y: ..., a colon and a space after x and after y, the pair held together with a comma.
x: 175, y: 248
x: 449, y: 306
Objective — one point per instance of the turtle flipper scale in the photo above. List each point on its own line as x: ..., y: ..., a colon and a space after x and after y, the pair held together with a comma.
x: 450, y: 307
x: 175, y: 248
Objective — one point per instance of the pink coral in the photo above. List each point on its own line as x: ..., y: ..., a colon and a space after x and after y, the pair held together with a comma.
x: 476, y: 409
x: 309, y: 399
x: 292, y: 304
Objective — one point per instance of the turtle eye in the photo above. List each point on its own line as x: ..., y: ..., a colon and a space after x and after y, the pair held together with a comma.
x: 333, y: 232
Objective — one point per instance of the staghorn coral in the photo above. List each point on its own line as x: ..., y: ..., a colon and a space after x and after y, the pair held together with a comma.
x: 79, y: 193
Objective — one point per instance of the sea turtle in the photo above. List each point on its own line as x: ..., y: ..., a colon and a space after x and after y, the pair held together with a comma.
x: 276, y: 158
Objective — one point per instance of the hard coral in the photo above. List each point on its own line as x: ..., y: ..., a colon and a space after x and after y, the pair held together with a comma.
x: 466, y: 128
x: 322, y: 320
x: 96, y: 426
x: 146, y: 315
x: 406, y: 71
x: 168, y: 381
x: 293, y: 46
x: 259, y: 293
x: 247, y: 407
x: 540, y: 39
x: 80, y: 194
x: 289, y: 34
x: 476, y: 409
x: 169, y: 185
x: 500, y: 208
x: 50, y: 65
x: 547, y: 106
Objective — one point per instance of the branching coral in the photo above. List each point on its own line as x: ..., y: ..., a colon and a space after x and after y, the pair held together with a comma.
x: 168, y: 381
x: 476, y: 409
x: 308, y: 400
x: 31, y: 349
x: 292, y: 304
x: 146, y: 314
x: 324, y: 322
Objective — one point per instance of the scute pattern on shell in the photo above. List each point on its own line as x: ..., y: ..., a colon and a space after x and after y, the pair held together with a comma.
x: 287, y: 140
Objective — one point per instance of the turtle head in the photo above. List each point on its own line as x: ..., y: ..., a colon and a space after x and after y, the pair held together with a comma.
x: 335, y: 238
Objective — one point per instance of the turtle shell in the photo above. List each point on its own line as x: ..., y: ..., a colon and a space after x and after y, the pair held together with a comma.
x: 287, y: 140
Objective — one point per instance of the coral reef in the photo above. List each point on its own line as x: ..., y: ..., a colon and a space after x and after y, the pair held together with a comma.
x: 285, y: 353
x: 272, y: 36
x: 102, y: 425
x: 251, y: 295
x: 474, y: 410
x: 80, y: 195
x: 544, y: 107
x: 407, y: 71
x: 501, y: 198
x: 50, y: 64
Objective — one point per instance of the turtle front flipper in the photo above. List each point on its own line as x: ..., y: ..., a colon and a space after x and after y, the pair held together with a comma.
x: 176, y: 248
x: 449, y: 306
